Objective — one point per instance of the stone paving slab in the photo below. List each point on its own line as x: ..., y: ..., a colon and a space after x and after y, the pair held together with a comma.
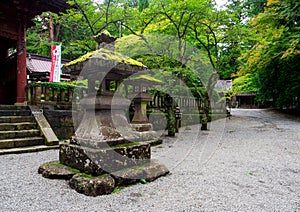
x: 27, y: 149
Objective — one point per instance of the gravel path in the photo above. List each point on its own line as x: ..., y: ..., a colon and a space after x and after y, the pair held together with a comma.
x: 248, y: 162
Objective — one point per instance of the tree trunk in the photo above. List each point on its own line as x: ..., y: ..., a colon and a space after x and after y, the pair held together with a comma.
x: 51, y: 30
x: 169, y: 102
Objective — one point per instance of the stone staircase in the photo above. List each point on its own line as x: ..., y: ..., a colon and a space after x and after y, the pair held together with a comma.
x: 19, y: 131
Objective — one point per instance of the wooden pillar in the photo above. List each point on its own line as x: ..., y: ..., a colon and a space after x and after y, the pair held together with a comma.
x: 21, y: 61
x: 3, y: 53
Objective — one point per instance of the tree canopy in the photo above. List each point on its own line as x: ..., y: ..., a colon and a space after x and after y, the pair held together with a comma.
x: 253, y: 42
x: 273, y: 61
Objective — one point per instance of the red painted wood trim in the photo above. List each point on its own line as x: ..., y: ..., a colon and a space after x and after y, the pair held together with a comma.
x: 8, y: 35
x: 21, y: 62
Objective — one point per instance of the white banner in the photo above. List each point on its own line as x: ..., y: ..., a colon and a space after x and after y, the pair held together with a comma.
x: 55, y: 64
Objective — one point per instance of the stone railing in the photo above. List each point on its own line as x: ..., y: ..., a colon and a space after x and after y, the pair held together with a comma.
x: 61, y: 95
x: 185, y: 103
x: 54, y: 94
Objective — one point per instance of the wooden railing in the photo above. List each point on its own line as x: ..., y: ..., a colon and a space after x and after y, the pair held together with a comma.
x: 47, y: 94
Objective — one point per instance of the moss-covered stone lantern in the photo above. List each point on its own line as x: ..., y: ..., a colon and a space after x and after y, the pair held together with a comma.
x: 105, y: 146
x: 141, y: 97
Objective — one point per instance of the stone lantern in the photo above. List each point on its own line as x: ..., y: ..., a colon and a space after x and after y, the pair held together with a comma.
x: 140, y: 97
x: 105, y: 145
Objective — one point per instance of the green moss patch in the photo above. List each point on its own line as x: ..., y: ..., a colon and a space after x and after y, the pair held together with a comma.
x: 147, y: 78
x: 125, y: 145
x: 105, y: 54
x: 60, y: 165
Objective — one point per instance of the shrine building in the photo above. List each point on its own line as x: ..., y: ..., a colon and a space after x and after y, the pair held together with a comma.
x: 15, y: 17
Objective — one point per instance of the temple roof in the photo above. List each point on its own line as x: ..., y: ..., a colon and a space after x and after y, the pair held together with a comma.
x: 39, y: 66
x: 222, y: 85
x: 38, y: 63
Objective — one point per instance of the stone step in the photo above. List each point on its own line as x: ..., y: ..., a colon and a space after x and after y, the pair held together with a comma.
x: 18, y: 126
x: 13, y: 107
x: 21, y: 142
x: 19, y: 134
x: 27, y: 149
x: 15, y: 112
x: 16, y: 119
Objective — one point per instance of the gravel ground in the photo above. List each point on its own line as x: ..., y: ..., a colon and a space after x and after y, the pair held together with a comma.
x: 248, y: 162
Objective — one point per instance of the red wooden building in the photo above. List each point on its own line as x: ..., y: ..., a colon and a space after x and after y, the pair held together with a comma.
x: 15, y: 18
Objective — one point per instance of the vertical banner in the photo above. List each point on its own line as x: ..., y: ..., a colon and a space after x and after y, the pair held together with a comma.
x: 55, y: 64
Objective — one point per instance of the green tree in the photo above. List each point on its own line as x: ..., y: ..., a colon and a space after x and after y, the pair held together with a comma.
x: 76, y: 27
x: 238, y: 36
x: 68, y: 30
x: 275, y: 56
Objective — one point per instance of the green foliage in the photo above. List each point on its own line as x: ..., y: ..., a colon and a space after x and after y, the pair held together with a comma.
x: 275, y: 57
x: 164, y: 68
x: 59, y: 85
x: 76, y: 27
x: 238, y: 36
x: 147, y: 78
x: 245, y: 84
x: 254, y: 41
x: 254, y: 7
x: 143, y: 4
x: 66, y: 31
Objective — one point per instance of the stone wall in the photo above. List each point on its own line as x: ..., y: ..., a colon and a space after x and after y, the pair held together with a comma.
x: 61, y: 122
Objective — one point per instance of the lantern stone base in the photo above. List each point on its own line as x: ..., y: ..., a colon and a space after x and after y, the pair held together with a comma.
x: 142, y: 127
x: 104, y: 160
x: 91, y: 185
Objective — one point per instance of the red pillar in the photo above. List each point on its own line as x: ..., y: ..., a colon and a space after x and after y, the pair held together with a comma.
x: 21, y: 61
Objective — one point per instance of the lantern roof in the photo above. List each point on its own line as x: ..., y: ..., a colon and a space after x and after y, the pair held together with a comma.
x: 103, y: 60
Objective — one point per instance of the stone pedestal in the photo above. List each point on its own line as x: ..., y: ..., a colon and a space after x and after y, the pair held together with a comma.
x: 140, y: 121
x: 104, y: 160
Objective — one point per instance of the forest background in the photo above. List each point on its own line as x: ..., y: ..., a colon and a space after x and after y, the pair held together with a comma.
x: 253, y: 42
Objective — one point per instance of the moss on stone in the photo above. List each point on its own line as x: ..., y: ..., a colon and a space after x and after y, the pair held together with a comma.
x: 56, y: 85
x: 70, y: 169
x: 86, y: 175
x: 147, y: 78
x: 105, y: 32
x: 105, y: 54
x: 80, y: 59
x: 125, y: 145
x: 90, y: 176
x: 60, y: 165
